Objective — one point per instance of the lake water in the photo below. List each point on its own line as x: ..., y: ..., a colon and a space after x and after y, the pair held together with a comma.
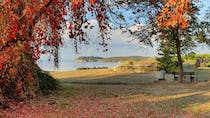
x: 71, y: 65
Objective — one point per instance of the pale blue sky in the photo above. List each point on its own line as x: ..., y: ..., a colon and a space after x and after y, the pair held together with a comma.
x: 119, y: 45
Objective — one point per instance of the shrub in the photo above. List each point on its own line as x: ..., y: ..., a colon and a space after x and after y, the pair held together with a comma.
x: 46, y: 82
x: 36, y: 81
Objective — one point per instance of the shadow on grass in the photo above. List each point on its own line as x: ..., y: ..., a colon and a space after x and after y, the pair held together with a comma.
x: 122, y: 79
x: 167, y: 96
x: 195, y: 101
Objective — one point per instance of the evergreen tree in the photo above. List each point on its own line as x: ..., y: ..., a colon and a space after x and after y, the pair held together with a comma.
x: 167, y: 60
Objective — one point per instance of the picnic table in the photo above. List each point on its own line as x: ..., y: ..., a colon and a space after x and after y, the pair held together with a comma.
x: 191, y: 74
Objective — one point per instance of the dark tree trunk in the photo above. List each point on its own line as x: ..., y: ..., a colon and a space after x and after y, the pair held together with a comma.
x: 179, y: 58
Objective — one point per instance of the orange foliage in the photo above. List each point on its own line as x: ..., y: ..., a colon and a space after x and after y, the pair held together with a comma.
x: 174, y: 14
x: 92, y: 2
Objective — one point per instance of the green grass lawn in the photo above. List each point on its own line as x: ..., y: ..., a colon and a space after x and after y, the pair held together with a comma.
x: 105, y: 76
x: 115, y: 79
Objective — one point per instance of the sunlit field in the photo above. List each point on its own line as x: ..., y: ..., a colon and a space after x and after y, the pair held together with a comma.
x: 104, y: 93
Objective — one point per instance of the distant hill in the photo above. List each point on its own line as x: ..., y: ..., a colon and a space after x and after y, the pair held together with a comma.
x: 88, y: 59
x: 110, y: 59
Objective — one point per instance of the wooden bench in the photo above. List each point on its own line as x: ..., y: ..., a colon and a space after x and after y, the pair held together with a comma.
x: 192, y: 75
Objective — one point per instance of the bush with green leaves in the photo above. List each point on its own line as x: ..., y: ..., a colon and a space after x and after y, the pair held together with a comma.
x: 46, y: 81
x: 167, y: 57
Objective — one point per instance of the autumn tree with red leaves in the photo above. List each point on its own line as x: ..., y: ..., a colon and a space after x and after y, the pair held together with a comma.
x: 29, y: 28
x: 24, y: 28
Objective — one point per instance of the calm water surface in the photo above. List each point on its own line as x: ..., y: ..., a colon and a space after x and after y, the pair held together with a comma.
x: 71, y: 65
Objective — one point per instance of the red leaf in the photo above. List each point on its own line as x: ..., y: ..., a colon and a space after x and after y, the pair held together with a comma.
x: 92, y: 2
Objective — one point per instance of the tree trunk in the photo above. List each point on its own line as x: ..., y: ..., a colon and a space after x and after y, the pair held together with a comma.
x: 179, y: 58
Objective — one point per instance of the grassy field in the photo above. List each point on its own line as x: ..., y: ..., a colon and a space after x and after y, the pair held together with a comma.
x: 143, y: 90
x: 109, y: 76
x: 103, y: 76
x: 104, y: 93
